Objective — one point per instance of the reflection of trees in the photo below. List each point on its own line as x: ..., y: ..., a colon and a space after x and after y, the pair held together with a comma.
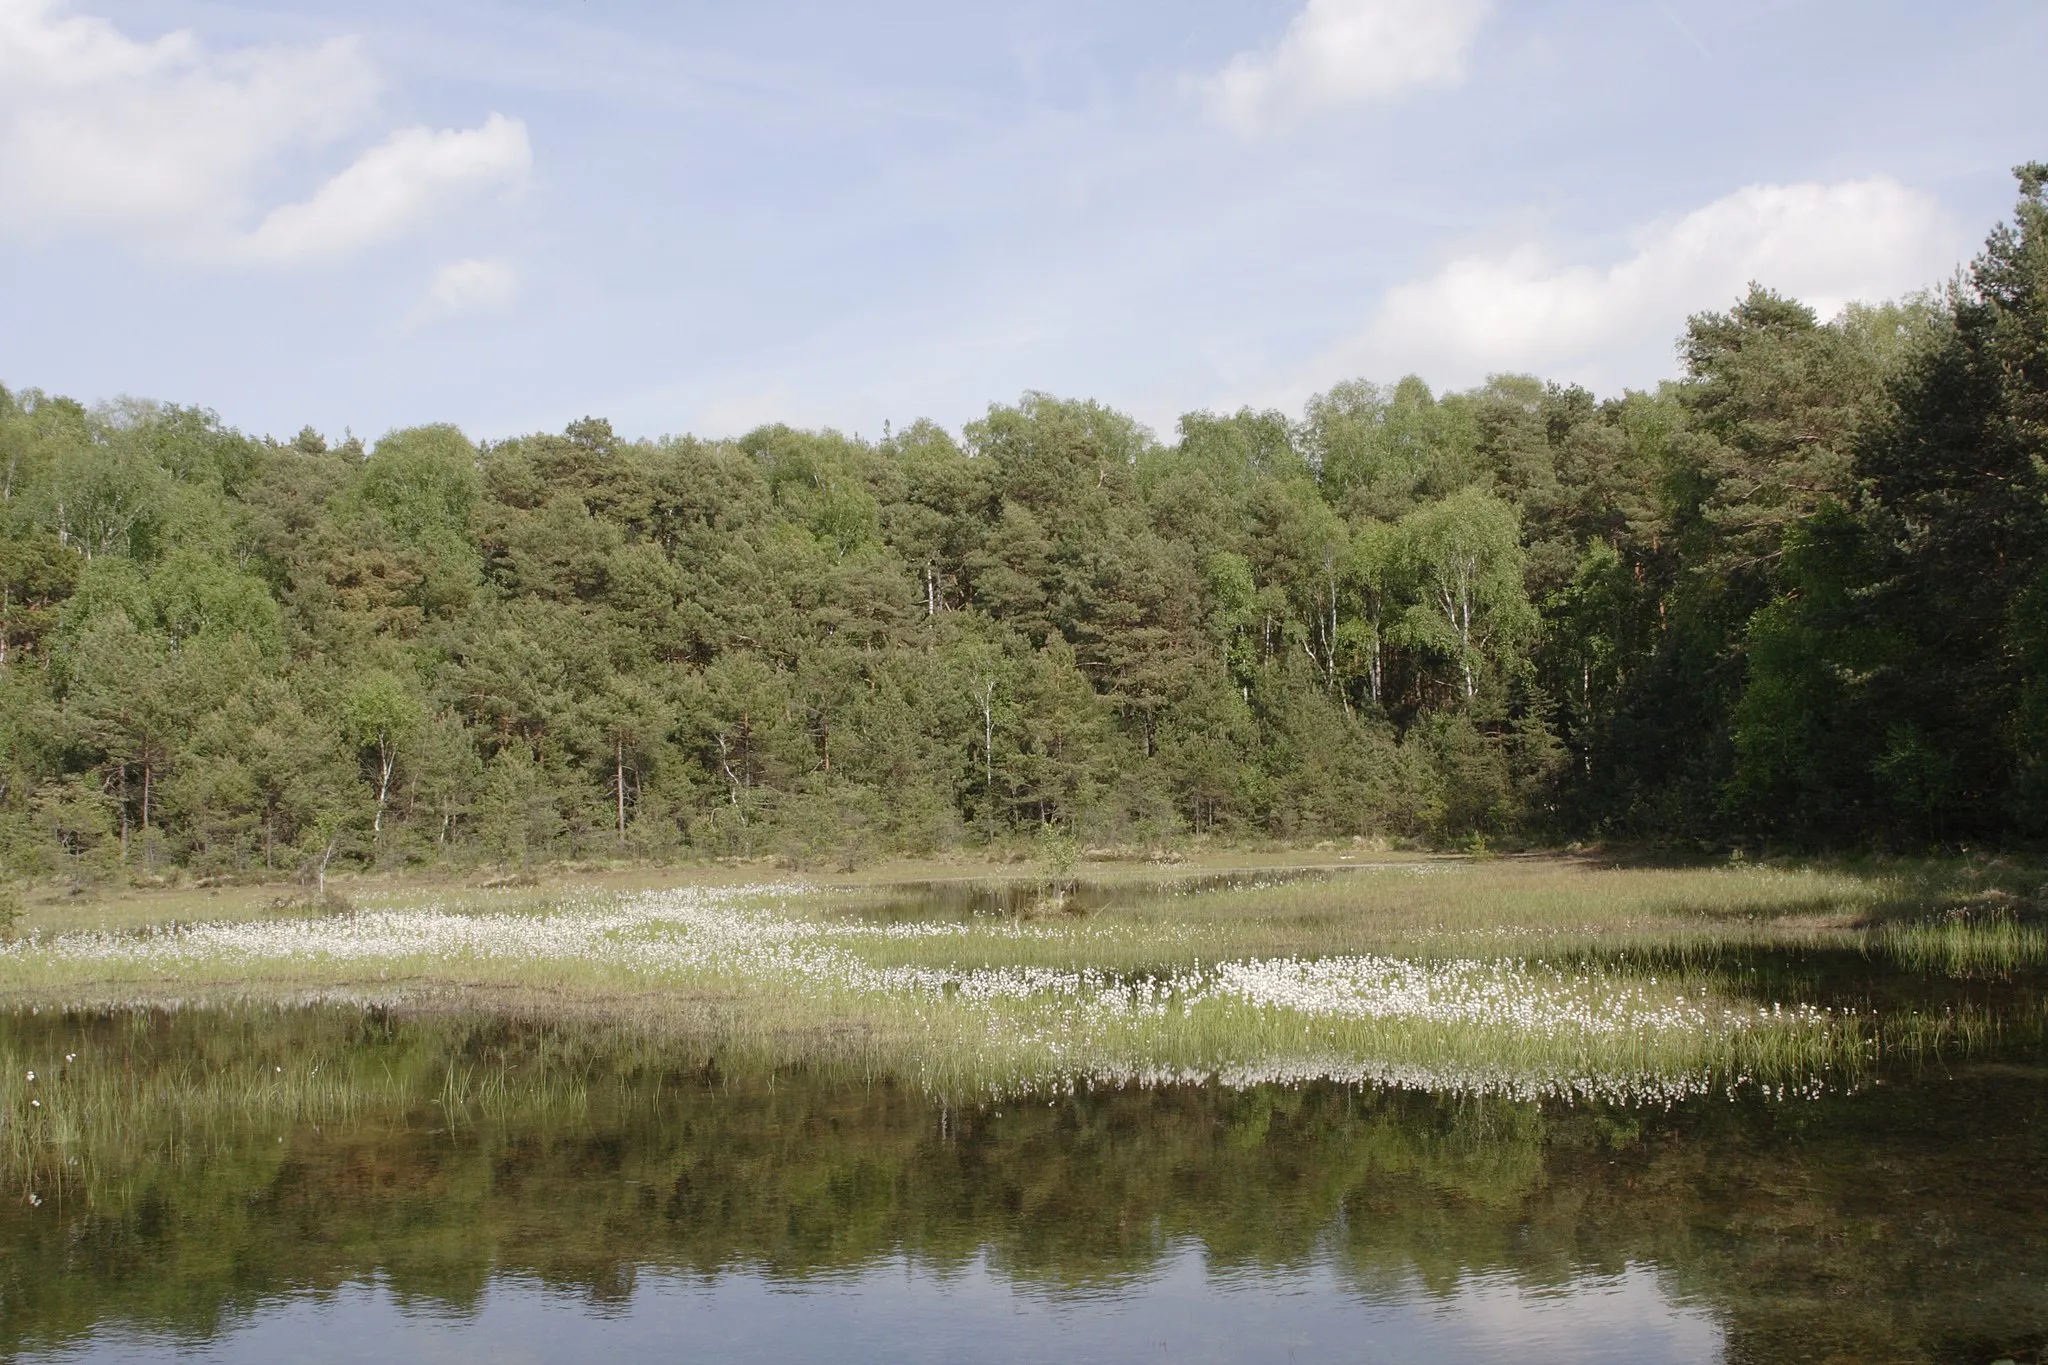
x: 1898, y: 1222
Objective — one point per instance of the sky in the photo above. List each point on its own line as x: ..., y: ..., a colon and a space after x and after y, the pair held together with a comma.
x: 698, y: 217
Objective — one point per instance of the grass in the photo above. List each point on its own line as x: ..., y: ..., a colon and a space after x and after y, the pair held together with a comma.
x: 89, y: 1102
x: 1456, y: 909
x: 70, y: 906
x: 1554, y: 909
x: 1964, y: 949
x: 1523, y: 977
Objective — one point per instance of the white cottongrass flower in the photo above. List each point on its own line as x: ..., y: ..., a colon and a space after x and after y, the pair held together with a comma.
x: 723, y: 933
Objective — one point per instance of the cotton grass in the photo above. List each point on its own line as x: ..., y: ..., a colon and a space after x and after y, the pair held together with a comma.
x: 936, y: 1002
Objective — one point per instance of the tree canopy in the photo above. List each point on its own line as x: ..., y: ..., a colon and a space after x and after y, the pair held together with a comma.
x: 1798, y: 595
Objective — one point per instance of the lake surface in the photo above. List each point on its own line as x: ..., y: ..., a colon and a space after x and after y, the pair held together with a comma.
x: 643, y: 1214
x: 340, y: 1182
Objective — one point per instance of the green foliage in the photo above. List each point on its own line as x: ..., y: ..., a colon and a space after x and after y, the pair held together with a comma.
x: 378, y: 711
x: 1892, y: 690
x: 1467, y: 553
x: 193, y: 597
x: 423, y: 483
x: 1800, y: 595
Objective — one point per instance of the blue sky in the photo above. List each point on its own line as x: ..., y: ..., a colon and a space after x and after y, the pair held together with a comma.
x: 697, y: 217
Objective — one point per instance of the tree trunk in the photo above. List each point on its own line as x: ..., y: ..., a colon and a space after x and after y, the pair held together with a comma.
x: 387, y: 759
x: 731, y: 778
x: 988, y: 753
x: 320, y: 868
x: 1456, y: 600
x: 1330, y: 640
x: 619, y: 782
x: 1465, y: 635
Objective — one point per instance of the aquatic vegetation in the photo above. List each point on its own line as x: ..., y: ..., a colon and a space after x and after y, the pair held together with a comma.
x: 1963, y: 948
x: 206, y: 1162
x: 223, y: 1061
x: 987, y: 1008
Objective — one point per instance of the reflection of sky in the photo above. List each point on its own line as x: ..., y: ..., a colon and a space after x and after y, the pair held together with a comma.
x: 902, y: 1312
x: 697, y: 215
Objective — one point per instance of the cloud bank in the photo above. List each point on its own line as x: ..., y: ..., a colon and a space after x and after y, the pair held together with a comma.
x: 1339, y: 52
x: 1609, y: 325
x: 170, y: 144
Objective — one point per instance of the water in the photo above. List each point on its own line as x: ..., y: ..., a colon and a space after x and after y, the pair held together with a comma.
x: 481, y: 1189
x: 975, y: 898
x: 900, y: 1312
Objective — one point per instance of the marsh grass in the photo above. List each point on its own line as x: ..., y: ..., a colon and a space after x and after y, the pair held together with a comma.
x: 1558, y: 910
x: 1964, y: 949
x: 1518, y: 977
x: 96, y: 1104
x: 87, y: 1100
x: 1499, y: 909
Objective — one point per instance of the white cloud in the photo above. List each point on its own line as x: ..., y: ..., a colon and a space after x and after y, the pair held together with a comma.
x: 393, y: 188
x: 172, y: 144
x: 1347, y: 52
x: 468, y: 286
x: 1522, y: 309
x: 98, y: 129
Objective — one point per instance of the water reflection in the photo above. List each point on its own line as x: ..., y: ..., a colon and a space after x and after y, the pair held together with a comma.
x: 976, y: 898
x: 902, y: 1311
x: 482, y: 1188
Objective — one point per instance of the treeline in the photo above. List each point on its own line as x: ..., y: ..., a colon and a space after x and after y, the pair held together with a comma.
x: 1798, y: 596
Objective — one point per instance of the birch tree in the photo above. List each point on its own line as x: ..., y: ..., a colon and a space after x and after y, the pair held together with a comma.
x: 1467, y: 553
x: 378, y: 714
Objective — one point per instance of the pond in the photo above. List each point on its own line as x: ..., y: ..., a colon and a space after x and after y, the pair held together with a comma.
x: 330, y: 1182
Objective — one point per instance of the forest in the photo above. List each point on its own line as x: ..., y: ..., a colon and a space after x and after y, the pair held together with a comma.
x: 1796, y: 598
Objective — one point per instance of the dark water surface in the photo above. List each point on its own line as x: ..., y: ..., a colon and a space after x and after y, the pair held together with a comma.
x: 972, y: 898
x: 484, y: 1190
